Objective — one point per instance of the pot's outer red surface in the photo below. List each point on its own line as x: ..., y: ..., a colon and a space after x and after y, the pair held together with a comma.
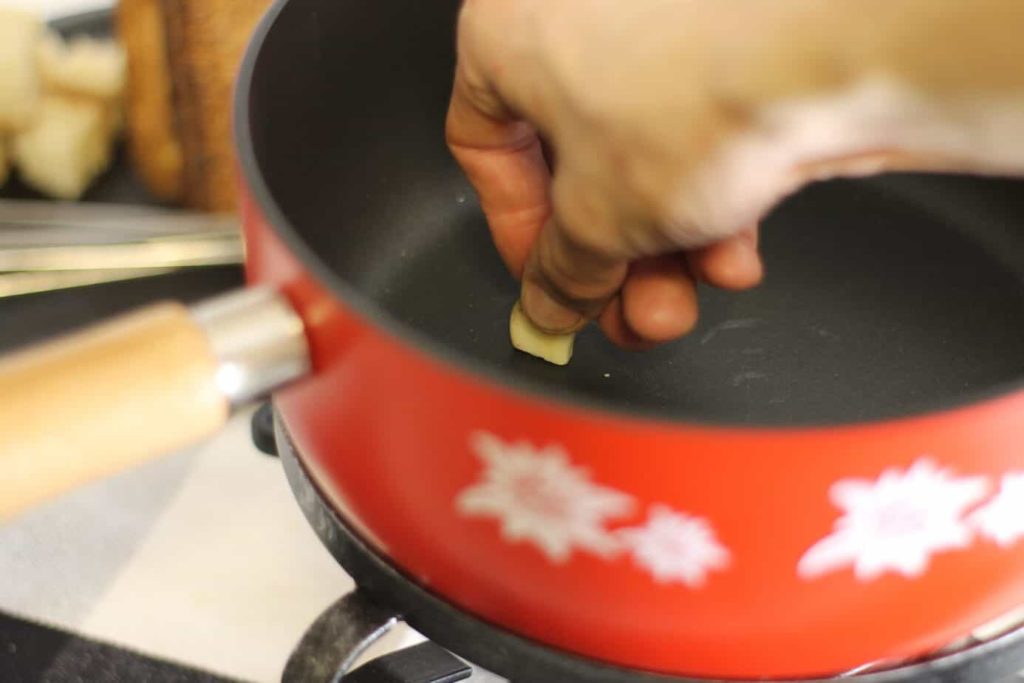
x: 388, y: 434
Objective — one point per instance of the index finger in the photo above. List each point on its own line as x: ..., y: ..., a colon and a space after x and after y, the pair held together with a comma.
x: 502, y: 158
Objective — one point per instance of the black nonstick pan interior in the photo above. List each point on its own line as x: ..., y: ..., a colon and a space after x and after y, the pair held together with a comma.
x: 884, y: 297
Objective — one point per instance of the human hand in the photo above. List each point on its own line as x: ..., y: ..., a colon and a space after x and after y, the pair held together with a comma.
x: 676, y: 126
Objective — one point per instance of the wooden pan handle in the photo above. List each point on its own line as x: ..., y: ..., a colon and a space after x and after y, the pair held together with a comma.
x: 111, y: 396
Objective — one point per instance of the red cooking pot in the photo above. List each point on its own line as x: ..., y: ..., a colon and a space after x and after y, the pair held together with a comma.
x: 827, y: 472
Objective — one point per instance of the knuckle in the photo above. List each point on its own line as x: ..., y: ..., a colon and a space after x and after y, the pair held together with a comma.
x: 580, y: 279
x: 582, y: 239
x: 585, y: 220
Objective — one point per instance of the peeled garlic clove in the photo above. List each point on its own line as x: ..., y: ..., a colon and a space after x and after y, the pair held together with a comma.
x: 528, y: 338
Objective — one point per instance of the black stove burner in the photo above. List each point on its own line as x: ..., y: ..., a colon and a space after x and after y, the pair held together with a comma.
x: 346, y: 629
x: 385, y: 596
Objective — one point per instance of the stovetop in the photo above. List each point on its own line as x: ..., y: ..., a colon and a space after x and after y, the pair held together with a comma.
x: 35, y: 653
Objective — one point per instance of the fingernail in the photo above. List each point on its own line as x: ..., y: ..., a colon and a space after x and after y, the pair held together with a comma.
x: 545, y: 312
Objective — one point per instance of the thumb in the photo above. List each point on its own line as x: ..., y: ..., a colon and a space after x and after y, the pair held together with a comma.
x: 575, y: 266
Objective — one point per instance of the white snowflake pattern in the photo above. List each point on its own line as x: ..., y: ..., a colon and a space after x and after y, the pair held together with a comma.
x: 1002, y: 518
x: 541, y: 498
x: 895, y: 523
x: 676, y: 547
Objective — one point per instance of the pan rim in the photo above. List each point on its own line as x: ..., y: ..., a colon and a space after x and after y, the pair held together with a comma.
x: 417, y: 342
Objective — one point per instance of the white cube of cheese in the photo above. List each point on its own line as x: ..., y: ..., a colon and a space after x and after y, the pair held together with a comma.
x: 65, y: 148
x: 82, y: 66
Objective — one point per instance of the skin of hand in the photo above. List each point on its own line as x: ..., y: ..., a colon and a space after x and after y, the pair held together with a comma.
x: 673, y: 126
